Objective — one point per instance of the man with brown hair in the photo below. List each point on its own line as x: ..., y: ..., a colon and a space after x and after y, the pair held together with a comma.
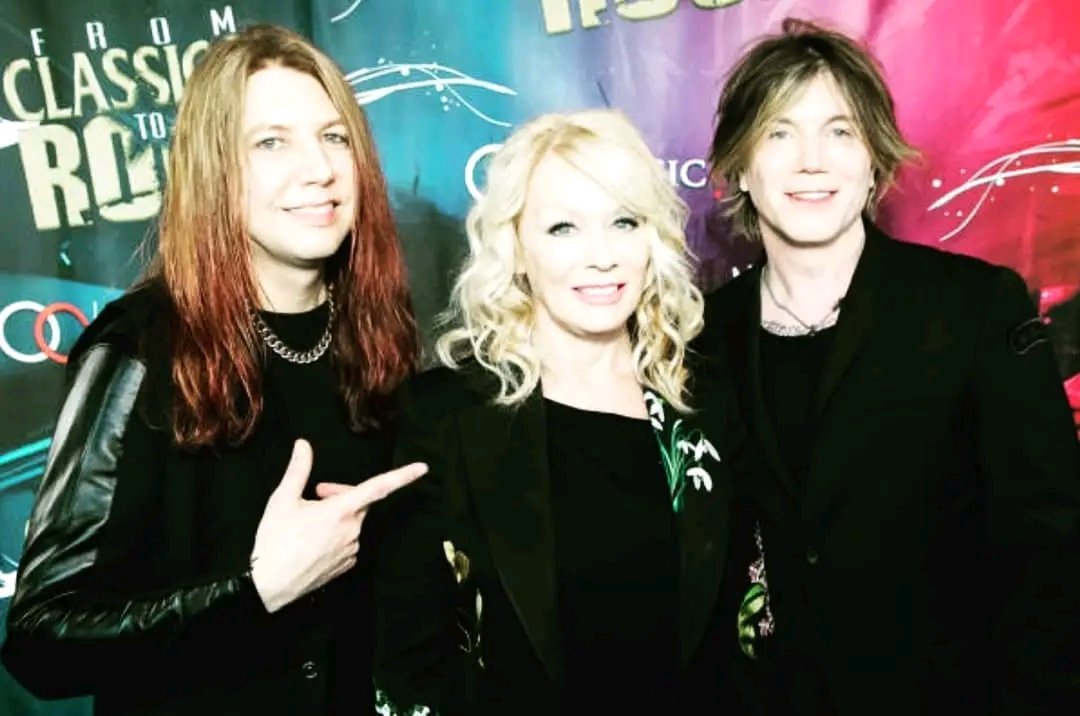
x: 920, y: 511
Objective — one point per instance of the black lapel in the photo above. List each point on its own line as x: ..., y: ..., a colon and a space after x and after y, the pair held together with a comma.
x: 505, y: 455
x: 856, y: 317
x: 705, y: 519
x: 745, y: 359
x: 864, y: 298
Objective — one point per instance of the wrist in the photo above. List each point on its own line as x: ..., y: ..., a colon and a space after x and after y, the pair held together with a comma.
x: 271, y: 598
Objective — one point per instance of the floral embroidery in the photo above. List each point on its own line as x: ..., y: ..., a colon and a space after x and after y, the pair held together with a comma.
x: 459, y: 561
x: 468, y: 611
x: 469, y: 614
x: 656, y: 409
x: 384, y: 706
x: 755, y: 613
x: 682, y: 451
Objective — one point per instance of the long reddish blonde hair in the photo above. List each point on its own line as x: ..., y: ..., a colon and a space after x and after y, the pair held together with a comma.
x: 204, y: 253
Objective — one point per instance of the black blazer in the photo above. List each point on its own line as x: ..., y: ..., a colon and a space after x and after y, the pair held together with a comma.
x: 485, y: 504
x: 930, y: 559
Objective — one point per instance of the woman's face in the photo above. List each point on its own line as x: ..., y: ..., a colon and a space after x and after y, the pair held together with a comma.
x: 585, y: 256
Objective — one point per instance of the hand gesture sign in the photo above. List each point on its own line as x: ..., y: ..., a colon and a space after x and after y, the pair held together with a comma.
x: 300, y: 544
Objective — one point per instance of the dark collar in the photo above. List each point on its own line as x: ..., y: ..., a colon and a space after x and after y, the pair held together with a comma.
x: 505, y: 453
x: 858, y: 307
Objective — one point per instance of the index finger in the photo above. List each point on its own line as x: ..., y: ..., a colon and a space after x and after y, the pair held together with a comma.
x: 376, y: 488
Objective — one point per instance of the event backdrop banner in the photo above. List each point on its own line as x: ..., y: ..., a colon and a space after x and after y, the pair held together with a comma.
x: 989, y: 91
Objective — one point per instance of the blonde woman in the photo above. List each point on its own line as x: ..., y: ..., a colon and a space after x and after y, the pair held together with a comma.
x: 572, y: 547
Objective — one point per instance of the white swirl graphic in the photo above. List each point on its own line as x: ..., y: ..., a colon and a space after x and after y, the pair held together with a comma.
x: 391, y: 77
x: 342, y: 15
x: 996, y: 172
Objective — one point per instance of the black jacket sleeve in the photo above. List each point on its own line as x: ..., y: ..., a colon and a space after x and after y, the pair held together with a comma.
x: 73, y: 622
x: 421, y: 653
x: 1029, y: 459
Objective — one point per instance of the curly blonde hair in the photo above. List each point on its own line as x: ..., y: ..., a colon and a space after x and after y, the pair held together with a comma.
x: 492, y: 312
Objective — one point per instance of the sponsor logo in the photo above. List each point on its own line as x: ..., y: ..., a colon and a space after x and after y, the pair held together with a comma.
x: 32, y: 332
x: 692, y: 173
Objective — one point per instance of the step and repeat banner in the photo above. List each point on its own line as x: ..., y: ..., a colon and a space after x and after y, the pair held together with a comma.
x: 989, y: 91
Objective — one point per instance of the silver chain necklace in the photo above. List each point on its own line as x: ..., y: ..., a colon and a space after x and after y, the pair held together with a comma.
x: 804, y: 328
x: 290, y: 354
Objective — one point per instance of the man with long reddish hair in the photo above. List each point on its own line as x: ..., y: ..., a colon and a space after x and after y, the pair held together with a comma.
x: 177, y: 533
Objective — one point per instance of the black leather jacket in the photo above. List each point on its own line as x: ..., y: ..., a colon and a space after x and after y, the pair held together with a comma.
x: 134, y: 581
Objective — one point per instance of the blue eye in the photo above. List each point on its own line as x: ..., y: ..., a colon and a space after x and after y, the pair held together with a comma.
x: 777, y: 134
x: 629, y: 223
x: 561, y: 228
x: 269, y: 143
x: 842, y: 132
x: 337, y: 138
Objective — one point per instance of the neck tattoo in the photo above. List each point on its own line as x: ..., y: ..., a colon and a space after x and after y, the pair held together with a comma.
x: 802, y: 328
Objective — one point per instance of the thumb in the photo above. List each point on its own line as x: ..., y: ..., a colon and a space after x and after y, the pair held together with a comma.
x: 330, y: 489
x: 296, y: 472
